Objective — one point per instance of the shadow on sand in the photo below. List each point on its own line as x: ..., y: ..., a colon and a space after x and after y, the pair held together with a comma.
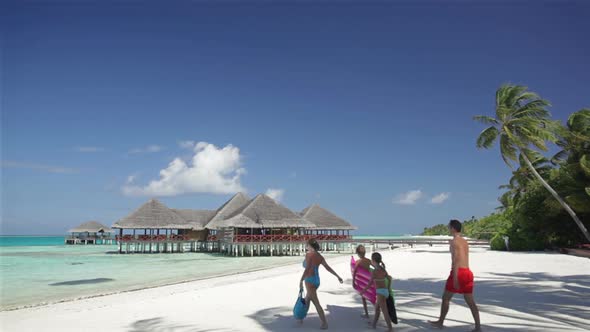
x: 529, y: 300
x: 159, y: 324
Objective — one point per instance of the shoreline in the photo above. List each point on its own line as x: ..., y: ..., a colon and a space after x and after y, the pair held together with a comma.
x: 44, y: 304
x: 165, y: 284
x: 545, y: 291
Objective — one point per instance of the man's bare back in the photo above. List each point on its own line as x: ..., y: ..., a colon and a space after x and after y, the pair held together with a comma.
x: 459, y: 252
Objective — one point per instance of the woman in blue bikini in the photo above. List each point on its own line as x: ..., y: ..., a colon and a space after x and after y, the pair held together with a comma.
x: 382, y: 284
x: 311, y: 276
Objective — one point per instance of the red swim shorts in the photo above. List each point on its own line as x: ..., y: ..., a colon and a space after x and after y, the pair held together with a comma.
x: 465, y: 282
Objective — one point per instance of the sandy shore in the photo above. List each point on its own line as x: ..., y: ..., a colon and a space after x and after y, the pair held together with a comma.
x: 515, y: 292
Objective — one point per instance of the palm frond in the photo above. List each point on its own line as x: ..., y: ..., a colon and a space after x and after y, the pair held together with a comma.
x: 537, y: 103
x: 585, y: 164
x: 517, y: 135
x: 579, y: 121
x: 507, y: 150
x: 513, y: 95
x: 560, y: 157
x: 488, y: 120
x: 538, y: 113
x: 534, y: 156
x: 527, y: 96
x: 501, y: 93
x: 578, y: 201
x: 487, y: 138
x: 503, y: 112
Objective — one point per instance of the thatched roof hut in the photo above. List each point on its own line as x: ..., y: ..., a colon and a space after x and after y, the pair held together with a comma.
x: 238, y: 201
x: 197, y: 219
x: 91, y: 227
x: 324, y: 219
x: 264, y: 212
x: 153, y: 215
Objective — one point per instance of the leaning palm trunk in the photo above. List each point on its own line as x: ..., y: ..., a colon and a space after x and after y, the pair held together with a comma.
x: 558, y: 198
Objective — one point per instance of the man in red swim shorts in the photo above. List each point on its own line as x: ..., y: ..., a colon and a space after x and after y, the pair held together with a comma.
x: 461, y: 279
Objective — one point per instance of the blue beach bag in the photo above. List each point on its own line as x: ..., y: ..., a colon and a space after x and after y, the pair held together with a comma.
x: 300, y: 309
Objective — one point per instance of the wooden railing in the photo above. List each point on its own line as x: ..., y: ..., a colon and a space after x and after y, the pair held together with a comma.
x: 284, y: 238
x: 151, y: 238
x: 88, y: 238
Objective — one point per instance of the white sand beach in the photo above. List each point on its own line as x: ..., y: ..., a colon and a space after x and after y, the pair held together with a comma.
x: 514, y: 291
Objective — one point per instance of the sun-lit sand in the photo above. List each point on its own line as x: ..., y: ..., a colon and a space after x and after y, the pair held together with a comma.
x: 514, y: 291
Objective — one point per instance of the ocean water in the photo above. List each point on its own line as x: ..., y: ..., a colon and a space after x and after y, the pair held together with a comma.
x: 37, y: 270
x: 41, y: 269
x: 14, y: 241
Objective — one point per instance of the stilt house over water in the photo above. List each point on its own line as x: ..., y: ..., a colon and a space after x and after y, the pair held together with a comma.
x: 242, y: 226
x: 90, y: 232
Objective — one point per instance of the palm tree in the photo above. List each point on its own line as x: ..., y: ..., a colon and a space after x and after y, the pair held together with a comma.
x: 574, y: 138
x: 521, y: 177
x: 523, y: 123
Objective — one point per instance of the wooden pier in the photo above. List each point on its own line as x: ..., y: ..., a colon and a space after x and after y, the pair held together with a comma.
x: 88, y: 240
x: 266, y: 245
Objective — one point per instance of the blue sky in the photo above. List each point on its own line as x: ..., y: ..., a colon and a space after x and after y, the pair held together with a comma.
x: 345, y: 105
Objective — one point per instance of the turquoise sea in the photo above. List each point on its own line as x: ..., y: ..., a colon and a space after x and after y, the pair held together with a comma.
x: 41, y: 269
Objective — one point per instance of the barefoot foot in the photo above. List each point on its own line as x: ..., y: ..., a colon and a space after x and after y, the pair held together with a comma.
x: 435, y: 323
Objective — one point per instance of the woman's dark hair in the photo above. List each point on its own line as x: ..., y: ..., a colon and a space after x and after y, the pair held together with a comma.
x: 377, y: 258
x: 314, y: 244
x: 456, y: 225
x: 360, y: 250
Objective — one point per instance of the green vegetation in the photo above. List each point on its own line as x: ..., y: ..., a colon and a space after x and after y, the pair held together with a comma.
x: 497, y: 242
x: 483, y: 229
x: 547, y: 201
x: 439, y: 229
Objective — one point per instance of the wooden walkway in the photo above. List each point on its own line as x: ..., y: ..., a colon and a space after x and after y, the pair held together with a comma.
x: 256, y: 247
x: 414, y: 242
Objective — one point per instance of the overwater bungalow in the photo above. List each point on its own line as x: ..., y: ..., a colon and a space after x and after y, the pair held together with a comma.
x: 90, y: 232
x: 328, y: 227
x: 156, y: 228
x: 242, y: 226
x: 261, y: 226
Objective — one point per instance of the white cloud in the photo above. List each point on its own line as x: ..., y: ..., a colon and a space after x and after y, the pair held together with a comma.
x: 148, y: 149
x: 408, y: 198
x: 211, y: 170
x: 276, y: 194
x: 38, y: 167
x: 89, y: 149
x: 440, y: 198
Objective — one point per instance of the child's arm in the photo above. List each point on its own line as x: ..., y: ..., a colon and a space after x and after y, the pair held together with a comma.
x: 325, y: 264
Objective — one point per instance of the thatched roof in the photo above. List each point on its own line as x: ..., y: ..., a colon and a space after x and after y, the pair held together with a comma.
x: 324, y: 219
x: 238, y: 201
x: 91, y: 227
x: 264, y: 212
x: 237, y: 212
x: 197, y: 219
x: 153, y: 215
